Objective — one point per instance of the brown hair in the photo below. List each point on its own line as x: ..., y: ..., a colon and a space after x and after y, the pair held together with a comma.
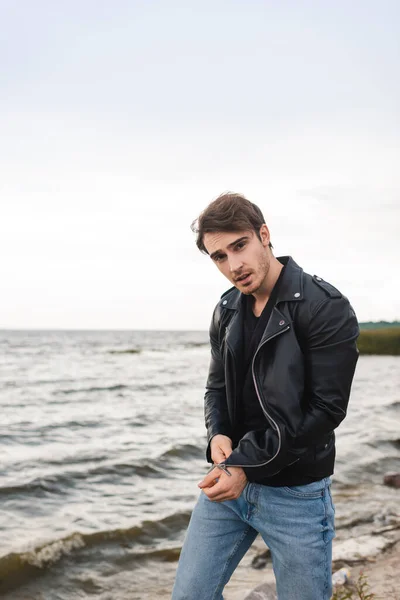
x: 228, y: 212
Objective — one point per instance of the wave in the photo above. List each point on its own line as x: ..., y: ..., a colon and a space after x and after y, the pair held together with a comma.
x: 178, y: 346
x: 110, y: 388
x: 144, y: 534
x: 173, y: 385
x: 196, y: 345
x: 141, y: 387
x: 69, y: 425
x: 170, y: 554
x: 17, y: 568
x: 60, y: 483
x: 127, y: 351
x: 183, y: 451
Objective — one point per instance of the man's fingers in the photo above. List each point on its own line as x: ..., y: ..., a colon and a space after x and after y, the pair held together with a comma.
x: 221, y: 452
x: 218, y: 455
x: 209, y: 479
x: 218, y: 493
x: 227, y: 488
x: 221, y: 448
x: 214, y: 492
x: 227, y: 450
x: 226, y: 447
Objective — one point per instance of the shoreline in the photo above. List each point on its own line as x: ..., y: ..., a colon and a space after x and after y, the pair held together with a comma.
x: 371, y: 551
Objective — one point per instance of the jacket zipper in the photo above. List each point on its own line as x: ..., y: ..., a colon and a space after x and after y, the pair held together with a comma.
x: 223, y: 466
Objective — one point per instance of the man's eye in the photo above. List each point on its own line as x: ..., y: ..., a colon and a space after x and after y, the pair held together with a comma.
x: 218, y: 258
x: 240, y: 245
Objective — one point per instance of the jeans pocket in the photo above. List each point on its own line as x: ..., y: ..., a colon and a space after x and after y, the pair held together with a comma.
x: 315, y: 489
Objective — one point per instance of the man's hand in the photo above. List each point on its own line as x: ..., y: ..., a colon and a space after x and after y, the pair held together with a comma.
x: 221, y: 448
x: 219, y: 486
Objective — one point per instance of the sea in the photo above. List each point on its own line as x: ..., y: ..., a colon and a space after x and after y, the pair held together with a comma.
x: 102, y: 444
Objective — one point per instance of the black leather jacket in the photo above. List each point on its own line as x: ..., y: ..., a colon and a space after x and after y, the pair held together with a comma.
x: 302, y: 371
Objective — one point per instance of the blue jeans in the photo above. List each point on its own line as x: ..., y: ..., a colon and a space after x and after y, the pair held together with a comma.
x: 296, y: 523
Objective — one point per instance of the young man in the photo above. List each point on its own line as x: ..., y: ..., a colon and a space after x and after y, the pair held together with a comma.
x: 283, y: 356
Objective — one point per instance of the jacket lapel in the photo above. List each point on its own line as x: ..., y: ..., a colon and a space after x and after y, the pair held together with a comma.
x: 276, y: 325
x: 234, y: 333
x: 291, y: 289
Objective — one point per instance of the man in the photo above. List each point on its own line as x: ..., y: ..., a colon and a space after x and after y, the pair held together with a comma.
x: 283, y: 356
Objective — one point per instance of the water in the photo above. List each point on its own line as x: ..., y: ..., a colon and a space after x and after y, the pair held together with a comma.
x: 102, y: 444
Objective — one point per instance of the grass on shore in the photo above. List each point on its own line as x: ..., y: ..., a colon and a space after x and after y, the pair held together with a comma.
x: 359, y: 591
x: 379, y: 341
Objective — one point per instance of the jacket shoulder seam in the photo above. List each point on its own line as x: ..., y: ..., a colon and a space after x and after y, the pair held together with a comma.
x: 323, y: 302
x: 327, y: 287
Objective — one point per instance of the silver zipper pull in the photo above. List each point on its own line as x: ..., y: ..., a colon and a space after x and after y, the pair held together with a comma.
x: 223, y: 468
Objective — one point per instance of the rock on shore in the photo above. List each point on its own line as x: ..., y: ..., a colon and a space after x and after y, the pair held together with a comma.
x: 392, y: 480
x: 265, y: 591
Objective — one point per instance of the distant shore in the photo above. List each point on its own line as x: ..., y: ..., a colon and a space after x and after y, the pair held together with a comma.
x: 379, y: 341
x: 379, y: 338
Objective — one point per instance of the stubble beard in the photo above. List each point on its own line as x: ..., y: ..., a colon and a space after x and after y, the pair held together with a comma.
x: 261, y: 274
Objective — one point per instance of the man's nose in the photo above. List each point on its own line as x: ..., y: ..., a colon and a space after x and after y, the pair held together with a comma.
x: 235, y: 264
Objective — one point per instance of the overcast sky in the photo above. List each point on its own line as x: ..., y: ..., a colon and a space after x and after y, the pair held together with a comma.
x: 120, y: 121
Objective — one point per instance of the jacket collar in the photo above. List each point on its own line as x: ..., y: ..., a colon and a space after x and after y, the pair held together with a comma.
x: 290, y: 289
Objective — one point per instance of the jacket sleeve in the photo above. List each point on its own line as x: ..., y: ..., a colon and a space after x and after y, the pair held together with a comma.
x: 331, y: 360
x: 330, y: 356
x: 215, y: 406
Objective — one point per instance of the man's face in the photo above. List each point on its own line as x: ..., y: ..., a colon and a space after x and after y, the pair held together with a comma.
x: 241, y: 257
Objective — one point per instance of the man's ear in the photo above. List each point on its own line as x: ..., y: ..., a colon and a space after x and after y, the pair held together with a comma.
x: 264, y: 235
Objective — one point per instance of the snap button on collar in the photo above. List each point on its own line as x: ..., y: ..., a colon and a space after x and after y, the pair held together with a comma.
x: 281, y: 322
x: 297, y: 294
x: 225, y: 302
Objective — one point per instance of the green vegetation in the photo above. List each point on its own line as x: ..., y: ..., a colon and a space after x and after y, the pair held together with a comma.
x: 379, y: 341
x: 359, y: 591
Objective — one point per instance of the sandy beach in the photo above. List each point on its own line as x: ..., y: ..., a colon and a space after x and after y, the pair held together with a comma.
x: 382, y: 573
x: 374, y: 553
